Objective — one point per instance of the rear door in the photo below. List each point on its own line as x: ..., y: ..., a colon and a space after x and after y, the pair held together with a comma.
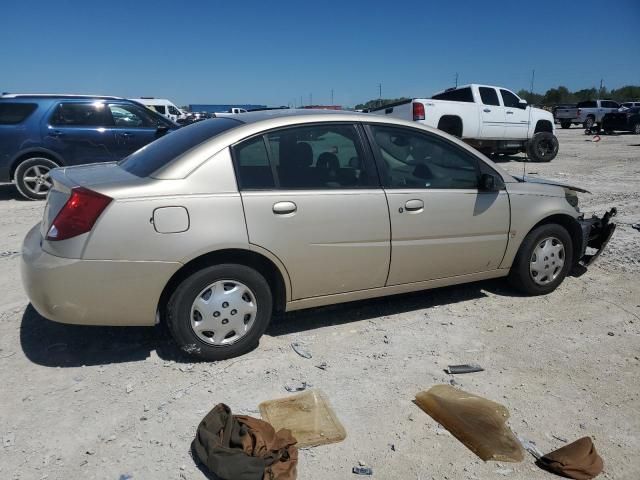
x: 441, y: 224
x: 80, y: 131
x: 516, y: 118
x: 134, y: 127
x: 311, y: 197
x: 491, y: 113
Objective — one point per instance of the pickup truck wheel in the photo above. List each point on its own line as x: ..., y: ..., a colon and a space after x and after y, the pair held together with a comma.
x: 543, y: 261
x: 589, y: 123
x: 32, y: 177
x: 220, y: 312
x: 636, y: 128
x: 543, y: 147
x: 565, y: 125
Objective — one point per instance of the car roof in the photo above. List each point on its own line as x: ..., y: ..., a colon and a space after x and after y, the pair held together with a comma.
x: 58, y: 95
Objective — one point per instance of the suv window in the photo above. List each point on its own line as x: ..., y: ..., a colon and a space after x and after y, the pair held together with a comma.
x: 172, y: 146
x: 159, y: 108
x: 411, y: 159
x: 173, y: 110
x: 13, y: 113
x: 325, y: 156
x: 509, y: 99
x: 132, y: 116
x: 489, y: 96
x: 609, y: 104
x: 458, y: 95
x: 81, y: 115
x: 588, y: 104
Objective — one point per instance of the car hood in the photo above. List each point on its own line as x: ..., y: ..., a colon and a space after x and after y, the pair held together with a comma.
x: 543, y: 181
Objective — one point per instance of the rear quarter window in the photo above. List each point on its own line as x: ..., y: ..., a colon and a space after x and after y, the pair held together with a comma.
x: 14, y: 113
x: 173, y: 145
x: 459, y: 95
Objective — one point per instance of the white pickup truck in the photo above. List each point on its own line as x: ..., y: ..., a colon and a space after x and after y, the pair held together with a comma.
x: 587, y: 113
x: 492, y: 119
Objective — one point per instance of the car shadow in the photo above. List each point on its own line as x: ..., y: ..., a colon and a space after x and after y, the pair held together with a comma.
x: 339, y: 314
x: 52, y: 344
x: 8, y: 191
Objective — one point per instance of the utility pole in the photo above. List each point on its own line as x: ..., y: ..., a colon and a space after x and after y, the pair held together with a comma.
x: 301, y: 102
x: 533, y: 76
x: 600, y: 92
x: 331, y: 97
x: 456, y: 79
x: 380, y: 91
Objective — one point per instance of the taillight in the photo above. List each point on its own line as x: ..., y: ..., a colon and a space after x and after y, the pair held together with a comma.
x: 578, y: 112
x: 78, y: 215
x: 418, y: 111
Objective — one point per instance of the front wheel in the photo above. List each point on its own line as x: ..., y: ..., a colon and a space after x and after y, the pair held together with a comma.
x: 565, y: 125
x: 543, y: 147
x: 543, y: 260
x: 636, y: 128
x: 589, y: 123
x: 220, y: 312
x: 32, y: 177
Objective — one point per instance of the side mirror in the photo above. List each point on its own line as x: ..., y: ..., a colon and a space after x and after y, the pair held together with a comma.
x: 522, y: 104
x: 489, y: 183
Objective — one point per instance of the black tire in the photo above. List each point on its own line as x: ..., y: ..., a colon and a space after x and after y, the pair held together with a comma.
x: 565, y: 125
x: 543, y: 147
x: 636, y: 128
x: 520, y: 275
x: 26, y: 170
x: 180, y: 303
x: 589, y: 122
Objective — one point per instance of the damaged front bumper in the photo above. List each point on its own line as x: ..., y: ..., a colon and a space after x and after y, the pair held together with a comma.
x: 596, y: 233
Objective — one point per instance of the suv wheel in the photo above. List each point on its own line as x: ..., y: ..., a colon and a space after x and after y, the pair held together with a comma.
x: 543, y: 261
x: 543, y: 147
x: 220, y: 312
x: 32, y: 177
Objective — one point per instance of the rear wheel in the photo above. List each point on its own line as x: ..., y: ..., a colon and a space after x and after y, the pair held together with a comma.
x: 220, y: 312
x: 543, y: 261
x: 32, y: 177
x: 636, y: 128
x: 543, y: 147
x: 565, y: 124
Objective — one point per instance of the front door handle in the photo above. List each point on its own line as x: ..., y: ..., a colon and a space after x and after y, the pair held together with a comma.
x: 414, y: 205
x: 284, y: 208
x: 509, y: 112
x: 486, y: 110
x: 56, y: 133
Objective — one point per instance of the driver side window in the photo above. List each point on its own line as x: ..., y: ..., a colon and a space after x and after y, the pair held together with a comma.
x: 411, y: 159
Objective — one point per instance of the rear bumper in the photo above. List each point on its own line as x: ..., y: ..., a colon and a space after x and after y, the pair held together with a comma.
x: 596, y: 233
x: 92, y: 292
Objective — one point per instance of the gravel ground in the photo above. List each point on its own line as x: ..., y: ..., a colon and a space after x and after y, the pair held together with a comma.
x: 95, y: 402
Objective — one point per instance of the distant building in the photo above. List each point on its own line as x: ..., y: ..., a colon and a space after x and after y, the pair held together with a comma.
x: 323, y: 107
x: 211, y: 108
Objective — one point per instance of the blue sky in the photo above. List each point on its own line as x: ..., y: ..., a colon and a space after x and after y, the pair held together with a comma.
x: 276, y: 52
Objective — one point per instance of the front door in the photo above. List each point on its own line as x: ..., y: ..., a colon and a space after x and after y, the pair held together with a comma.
x: 311, y: 198
x: 134, y: 127
x: 516, y: 117
x: 491, y: 114
x: 80, y: 131
x: 441, y: 225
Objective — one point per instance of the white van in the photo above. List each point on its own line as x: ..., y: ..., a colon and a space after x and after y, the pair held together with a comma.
x: 162, y: 106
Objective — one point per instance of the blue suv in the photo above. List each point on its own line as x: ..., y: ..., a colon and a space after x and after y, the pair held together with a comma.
x: 41, y: 132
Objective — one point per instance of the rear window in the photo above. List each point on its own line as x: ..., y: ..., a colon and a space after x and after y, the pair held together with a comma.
x: 459, y: 95
x: 13, y: 113
x: 156, y: 155
x: 589, y: 104
x: 489, y: 96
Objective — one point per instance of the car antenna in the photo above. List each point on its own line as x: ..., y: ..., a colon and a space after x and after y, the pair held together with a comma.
x: 526, y: 150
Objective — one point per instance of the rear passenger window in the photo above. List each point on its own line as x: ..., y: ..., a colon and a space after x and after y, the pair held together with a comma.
x: 252, y: 165
x: 13, y: 113
x: 489, y: 96
x: 458, y: 95
x: 410, y: 159
x: 81, y: 115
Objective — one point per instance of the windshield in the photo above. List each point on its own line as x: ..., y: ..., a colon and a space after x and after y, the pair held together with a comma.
x: 157, y: 154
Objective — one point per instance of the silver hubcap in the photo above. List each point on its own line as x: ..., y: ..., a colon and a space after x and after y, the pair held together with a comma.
x: 36, y: 179
x: 547, y: 261
x: 223, y: 312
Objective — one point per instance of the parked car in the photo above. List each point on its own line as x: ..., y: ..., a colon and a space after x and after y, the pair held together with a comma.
x: 193, y: 117
x: 566, y: 114
x: 625, y: 105
x: 492, y: 119
x: 213, y: 228
x: 626, y: 121
x: 41, y: 132
x: 590, y: 112
x: 162, y: 106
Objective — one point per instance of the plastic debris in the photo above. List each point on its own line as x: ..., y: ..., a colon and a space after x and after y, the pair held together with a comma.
x: 530, y: 447
x: 322, y: 366
x: 362, y: 470
x: 478, y: 423
x: 466, y: 368
x: 300, y: 350
x: 636, y: 226
x: 297, y: 387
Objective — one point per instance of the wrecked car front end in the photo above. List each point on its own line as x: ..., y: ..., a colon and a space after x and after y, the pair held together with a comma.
x: 596, y: 233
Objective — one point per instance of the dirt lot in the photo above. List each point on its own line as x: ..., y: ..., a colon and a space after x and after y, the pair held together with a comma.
x: 93, y: 402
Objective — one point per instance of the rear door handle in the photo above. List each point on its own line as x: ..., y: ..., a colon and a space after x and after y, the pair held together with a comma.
x: 284, y: 208
x: 414, y: 205
x: 487, y: 110
x: 56, y: 133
